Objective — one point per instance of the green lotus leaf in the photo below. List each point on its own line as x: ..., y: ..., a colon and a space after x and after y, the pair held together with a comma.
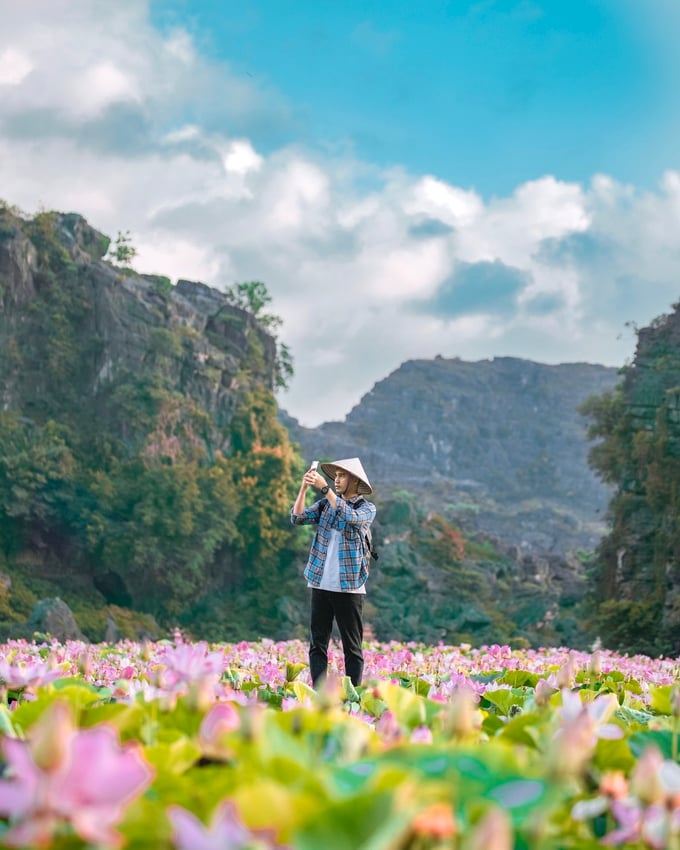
x: 374, y: 820
x: 372, y: 704
x: 522, y: 729
x: 663, y: 740
x: 6, y: 722
x: 519, y: 678
x: 660, y: 698
x: 172, y: 754
x: 303, y: 691
x: 503, y: 700
x: 294, y: 670
x: 127, y: 719
x: 613, y: 755
x: 267, y: 804
x: 351, y: 694
x: 407, y: 707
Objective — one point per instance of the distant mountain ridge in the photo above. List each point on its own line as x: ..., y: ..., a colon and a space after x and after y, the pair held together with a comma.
x: 503, y: 435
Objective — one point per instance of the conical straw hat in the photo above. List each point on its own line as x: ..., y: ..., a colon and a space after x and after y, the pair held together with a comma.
x: 354, y: 467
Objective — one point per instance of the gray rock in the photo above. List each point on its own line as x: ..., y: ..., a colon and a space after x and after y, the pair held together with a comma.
x: 112, y: 632
x: 194, y: 334
x: 53, y: 617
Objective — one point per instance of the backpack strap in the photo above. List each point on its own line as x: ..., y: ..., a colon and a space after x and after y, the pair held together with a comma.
x: 368, y: 534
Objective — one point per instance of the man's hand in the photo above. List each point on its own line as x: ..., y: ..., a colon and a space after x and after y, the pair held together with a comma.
x: 312, y: 478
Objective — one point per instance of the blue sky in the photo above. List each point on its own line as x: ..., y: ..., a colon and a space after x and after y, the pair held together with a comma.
x: 482, y: 93
x: 464, y: 179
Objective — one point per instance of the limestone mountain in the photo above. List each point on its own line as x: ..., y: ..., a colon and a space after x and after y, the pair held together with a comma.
x: 138, y: 439
x: 503, y: 437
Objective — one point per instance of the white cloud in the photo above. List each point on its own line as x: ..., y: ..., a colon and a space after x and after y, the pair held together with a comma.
x: 99, y: 86
x: 14, y: 67
x: 240, y: 157
x: 96, y: 120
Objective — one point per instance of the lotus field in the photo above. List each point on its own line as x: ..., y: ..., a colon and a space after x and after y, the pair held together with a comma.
x: 185, y: 745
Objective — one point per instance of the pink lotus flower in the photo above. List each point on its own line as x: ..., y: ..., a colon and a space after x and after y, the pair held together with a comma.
x: 190, y: 664
x: 226, y: 831
x: 27, y: 675
x: 581, y: 724
x: 222, y: 719
x: 65, y: 775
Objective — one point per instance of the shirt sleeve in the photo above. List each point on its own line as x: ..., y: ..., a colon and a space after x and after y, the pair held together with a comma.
x: 365, y: 513
x: 310, y: 515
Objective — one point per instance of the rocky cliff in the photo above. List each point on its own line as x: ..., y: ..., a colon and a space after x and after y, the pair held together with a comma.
x: 503, y: 439
x: 139, y: 446
x: 206, y: 346
x: 637, y: 575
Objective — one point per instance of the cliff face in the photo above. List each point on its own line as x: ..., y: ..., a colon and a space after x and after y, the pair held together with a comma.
x: 205, y: 346
x: 503, y: 436
x: 141, y: 462
x: 637, y: 581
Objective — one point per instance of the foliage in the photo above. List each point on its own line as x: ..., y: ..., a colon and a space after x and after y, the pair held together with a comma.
x: 253, y: 296
x: 176, y: 745
x: 634, y: 580
x: 132, y: 481
x: 123, y: 252
x: 435, y: 581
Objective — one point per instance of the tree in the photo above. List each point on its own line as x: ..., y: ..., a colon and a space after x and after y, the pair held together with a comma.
x: 254, y: 296
x: 123, y: 252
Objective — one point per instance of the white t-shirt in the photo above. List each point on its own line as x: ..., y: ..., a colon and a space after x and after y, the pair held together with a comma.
x: 330, y: 580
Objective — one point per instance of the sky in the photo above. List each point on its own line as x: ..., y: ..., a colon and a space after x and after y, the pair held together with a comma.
x: 463, y: 178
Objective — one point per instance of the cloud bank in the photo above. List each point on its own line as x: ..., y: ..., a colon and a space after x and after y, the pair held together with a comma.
x: 367, y: 266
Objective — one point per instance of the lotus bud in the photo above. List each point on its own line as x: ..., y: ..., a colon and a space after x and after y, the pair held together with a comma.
x: 222, y: 719
x: 388, y: 728
x: 201, y: 693
x: 645, y: 782
x: 437, y: 821
x: 421, y: 735
x: 542, y: 692
x: 330, y: 692
x: 675, y: 701
x: 85, y: 663
x: 145, y: 651
x: 50, y: 738
x: 462, y: 717
x: 492, y: 832
x: 565, y: 675
x: 596, y: 663
x: 614, y: 784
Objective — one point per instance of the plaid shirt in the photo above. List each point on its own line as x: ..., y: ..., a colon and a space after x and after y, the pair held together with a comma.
x: 350, y: 521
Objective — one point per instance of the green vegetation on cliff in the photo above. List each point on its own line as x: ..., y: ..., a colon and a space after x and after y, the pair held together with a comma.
x: 139, y: 445
x: 636, y: 576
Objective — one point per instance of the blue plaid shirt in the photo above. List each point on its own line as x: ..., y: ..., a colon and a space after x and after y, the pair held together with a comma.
x: 350, y: 521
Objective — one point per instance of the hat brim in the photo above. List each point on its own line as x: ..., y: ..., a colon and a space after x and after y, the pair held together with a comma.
x: 363, y: 487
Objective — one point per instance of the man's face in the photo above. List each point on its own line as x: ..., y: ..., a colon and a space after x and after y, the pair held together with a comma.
x: 344, y: 482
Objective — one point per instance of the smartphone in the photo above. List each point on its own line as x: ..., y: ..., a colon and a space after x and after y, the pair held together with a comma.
x: 315, y: 465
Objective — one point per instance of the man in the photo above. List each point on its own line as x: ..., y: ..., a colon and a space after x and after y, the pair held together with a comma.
x: 337, y: 568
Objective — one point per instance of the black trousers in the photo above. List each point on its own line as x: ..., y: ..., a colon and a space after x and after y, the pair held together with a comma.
x: 347, y: 609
